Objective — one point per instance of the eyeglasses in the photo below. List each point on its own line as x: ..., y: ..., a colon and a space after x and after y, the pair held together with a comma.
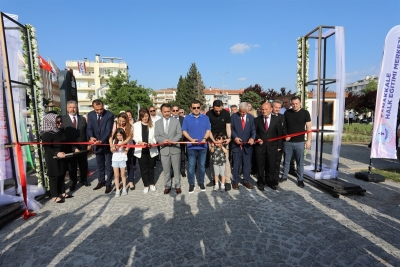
x: 181, y: 112
x: 195, y: 107
x: 153, y: 110
x: 175, y: 110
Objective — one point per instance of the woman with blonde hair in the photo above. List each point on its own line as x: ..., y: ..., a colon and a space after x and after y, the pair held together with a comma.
x: 144, y: 135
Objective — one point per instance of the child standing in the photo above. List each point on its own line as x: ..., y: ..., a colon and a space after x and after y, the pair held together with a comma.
x: 119, y: 159
x: 219, y: 152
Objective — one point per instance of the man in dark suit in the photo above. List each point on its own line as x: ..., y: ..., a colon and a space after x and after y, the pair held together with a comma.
x: 100, y: 124
x: 276, y: 108
x: 175, y: 114
x: 75, y: 130
x: 243, y: 135
x: 267, y: 127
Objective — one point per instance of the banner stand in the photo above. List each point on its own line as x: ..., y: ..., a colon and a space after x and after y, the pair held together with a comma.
x: 317, y: 173
x: 369, y: 176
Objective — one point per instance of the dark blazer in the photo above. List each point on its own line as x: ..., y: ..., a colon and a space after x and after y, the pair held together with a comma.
x: 55, y: 167
x: 75, y: 135
x: 274, y: 130
x: 237, y: 131
x: 102, y: 132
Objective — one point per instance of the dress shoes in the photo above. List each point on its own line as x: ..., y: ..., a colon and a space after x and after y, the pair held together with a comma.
x: 178, y: 191
x: 72, y: 187
x: 228, y: 186
x: 235, y: 186
x: 108, y: 189
x: 166, y: 191
x: 300, y: 184
x: 210, y: 184
x: 281, y: 180
x: 273, y: 187
x: 248, y: 186
x: 183, y: 173
x: 86, y: 184
x: 260, y: 185
x: 99, y: 185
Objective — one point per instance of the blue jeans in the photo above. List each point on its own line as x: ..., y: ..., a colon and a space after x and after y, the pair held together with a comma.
x: 193, y: 155
x: 296, y: 149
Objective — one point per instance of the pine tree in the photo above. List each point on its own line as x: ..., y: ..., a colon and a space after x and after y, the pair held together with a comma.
x: 195, y: 84
x: 183, y: 96
x: 189, y: 88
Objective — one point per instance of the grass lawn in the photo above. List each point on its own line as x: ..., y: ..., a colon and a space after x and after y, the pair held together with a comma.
x: 391, y: 174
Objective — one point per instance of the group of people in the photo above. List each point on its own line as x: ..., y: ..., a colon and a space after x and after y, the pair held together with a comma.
x: 232, y: 143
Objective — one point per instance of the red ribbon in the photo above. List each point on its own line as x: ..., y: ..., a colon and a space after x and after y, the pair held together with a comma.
x: 22, y: 176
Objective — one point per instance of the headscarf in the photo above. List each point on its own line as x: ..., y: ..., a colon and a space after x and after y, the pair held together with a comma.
x: 49, y: 123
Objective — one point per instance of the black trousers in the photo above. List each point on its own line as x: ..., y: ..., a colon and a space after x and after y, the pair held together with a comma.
x: 278, y: 164
x: 56, y: 185
x: 146, y: 164
x: 266, y: 164
x: 183, y: 158
x: 73, y: 164
x: 129, y: 166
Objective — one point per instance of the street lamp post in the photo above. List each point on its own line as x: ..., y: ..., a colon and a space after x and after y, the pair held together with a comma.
x: 223, y: 84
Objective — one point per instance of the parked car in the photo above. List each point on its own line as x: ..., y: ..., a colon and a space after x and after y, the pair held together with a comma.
x: 366, y: 120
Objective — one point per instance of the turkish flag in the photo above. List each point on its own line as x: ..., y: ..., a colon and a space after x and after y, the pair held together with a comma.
x: 44, y: 64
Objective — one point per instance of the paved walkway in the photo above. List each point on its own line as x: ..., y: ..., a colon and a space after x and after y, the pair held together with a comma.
x: 287, y: 227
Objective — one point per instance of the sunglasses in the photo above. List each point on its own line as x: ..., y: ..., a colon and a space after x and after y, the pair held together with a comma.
x: 175, y: 110
x: 152, y: 110
x: 195, y: 107
x: 58, y: 122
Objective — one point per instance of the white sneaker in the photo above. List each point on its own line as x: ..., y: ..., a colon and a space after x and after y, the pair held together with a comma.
x: 146, y: 190
x: 215, y: 187
x: 153, y: 188
x: 117, y: 192
x: 124, y: 192
x: 222, y: 188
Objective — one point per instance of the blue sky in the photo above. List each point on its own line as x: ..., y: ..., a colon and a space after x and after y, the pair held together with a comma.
x: 254, y: 40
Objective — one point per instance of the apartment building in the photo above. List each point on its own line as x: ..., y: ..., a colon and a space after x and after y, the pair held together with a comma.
x: 227, y: 96
x: 358, y: 86
x: 162, y: 96
x: 91, y: 77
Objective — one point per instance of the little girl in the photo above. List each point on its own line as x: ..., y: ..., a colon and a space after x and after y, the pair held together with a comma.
x: 219, y: 160
x: 119, y: 159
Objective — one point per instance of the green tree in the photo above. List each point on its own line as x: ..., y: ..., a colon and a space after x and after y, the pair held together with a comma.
x: 183, y: 96
x: 253, y: 98
x: 371, y: 86
x: 124, y: 94
x: 189, y: 88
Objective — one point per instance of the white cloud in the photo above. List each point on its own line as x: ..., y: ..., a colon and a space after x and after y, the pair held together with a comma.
x: 240, y: 48
x: 242, y: 79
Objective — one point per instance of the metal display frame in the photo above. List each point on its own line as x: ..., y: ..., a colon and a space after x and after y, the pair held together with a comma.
x: 8, y: 86
x: 335, y: 185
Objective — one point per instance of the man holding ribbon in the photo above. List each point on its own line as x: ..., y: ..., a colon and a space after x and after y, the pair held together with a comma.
x: 75, y: 130
x: 267, y: 127
x: 168, y: 130
x: 295, y: 120
x: 243, y: 135
x: 100, y: 124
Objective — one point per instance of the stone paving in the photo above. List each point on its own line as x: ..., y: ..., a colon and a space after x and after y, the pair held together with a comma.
x: 287, y: 227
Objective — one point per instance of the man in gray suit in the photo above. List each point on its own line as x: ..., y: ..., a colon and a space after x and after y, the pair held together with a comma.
x: 169, y: 130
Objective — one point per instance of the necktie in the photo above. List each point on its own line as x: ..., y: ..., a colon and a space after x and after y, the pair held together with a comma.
x: 243, y: 123
x: 266, y: 124
x: 98, y: 120
x: 166, y: 126
x: 74, y: 122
